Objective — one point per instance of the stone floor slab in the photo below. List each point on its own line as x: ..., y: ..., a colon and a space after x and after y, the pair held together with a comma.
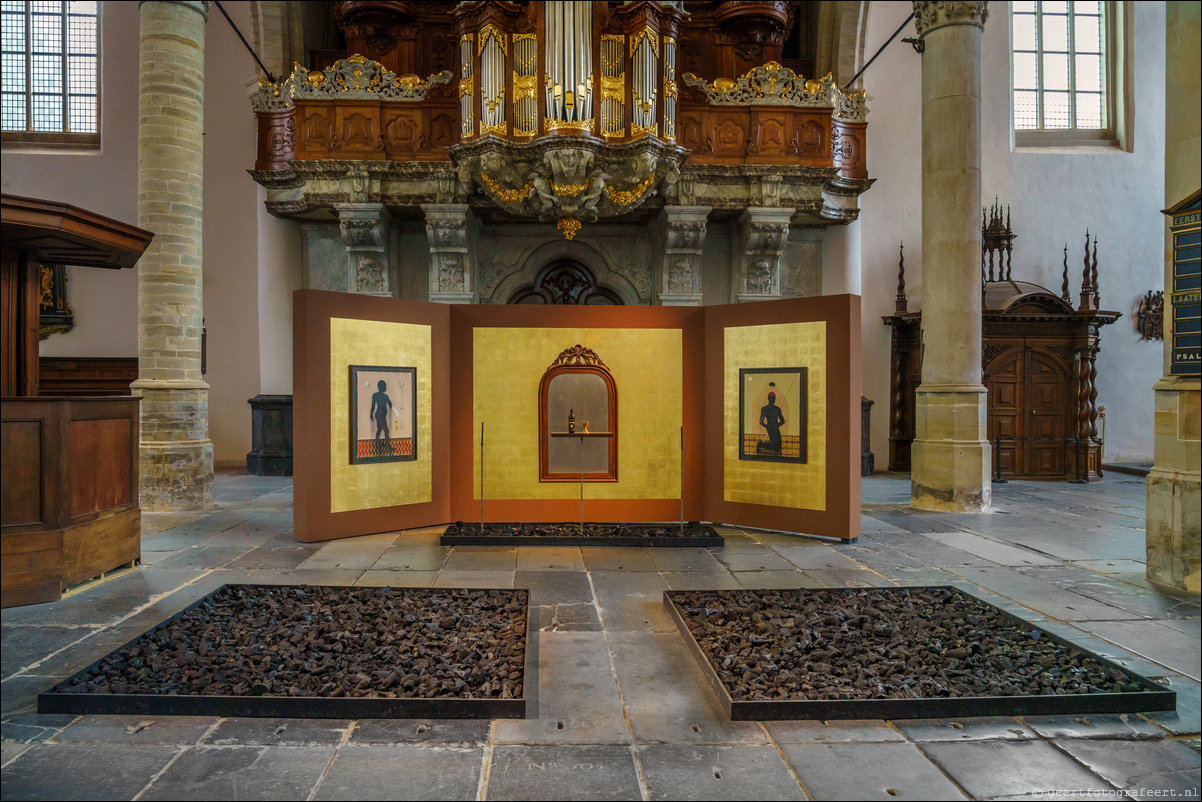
x: 82, y: 771
x: 549, y: 558
x: 751, y: 772
x: 482, y: 558
x: 474, y: 579
x: 963, y: 729
x: 563, y: 772
x: 597, y: 558
x: 412, y: 558
x: 1119, y: 726
x: 459, y: 733
x: 397, y: 579
x: 850, y: 731
x: 1163, y: 768
x: 350, y: 553
x: 868, y: 771
x: 1009, y: 769
x: 667, y: 698
x: 1169, y: 647
x: 402, y: 772
x: 577, y: 695
x: 171, y: 730
x: 773, y: 580
x: 632, y: 602
x: 678, y: 559
x: 242, y: 772
x: 277, y: 732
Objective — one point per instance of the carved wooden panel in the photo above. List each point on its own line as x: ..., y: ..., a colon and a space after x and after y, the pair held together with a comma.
x: 1004, y: 381
x: 768, y: 135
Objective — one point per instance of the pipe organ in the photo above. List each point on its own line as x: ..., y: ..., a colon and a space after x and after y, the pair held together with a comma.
x: 581, y: 70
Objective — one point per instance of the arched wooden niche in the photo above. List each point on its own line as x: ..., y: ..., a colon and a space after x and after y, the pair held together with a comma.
x: 579, y: 384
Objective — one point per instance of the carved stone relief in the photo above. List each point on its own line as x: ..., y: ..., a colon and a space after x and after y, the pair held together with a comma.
x: 683, y: 235
x: 763, y: 232
x: 451, y: 234
x: 366, y: 229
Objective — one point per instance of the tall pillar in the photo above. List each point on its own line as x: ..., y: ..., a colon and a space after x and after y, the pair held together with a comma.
x: 683, y: 230
x: 950, y: 454
x: 1173, y: 483
x: 176, y: 454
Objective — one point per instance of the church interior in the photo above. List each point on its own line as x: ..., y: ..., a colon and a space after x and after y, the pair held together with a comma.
x: 600, y: 400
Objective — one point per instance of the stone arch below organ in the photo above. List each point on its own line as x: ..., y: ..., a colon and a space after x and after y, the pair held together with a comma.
x: 506, y: 272
x: 565, y: 282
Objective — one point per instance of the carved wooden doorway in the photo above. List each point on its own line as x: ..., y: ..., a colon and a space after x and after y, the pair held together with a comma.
x: 565, y: 282
x: 1028, y: 399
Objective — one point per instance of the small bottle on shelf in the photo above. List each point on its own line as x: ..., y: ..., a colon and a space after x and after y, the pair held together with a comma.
x: 571, y: 421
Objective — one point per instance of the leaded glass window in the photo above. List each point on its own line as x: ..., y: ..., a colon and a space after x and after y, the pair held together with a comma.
x: 50, y: 82
x: 1061, y: 70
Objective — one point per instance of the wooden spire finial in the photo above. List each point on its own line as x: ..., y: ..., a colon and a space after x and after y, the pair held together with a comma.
x: 901, y: 305
x: 1086, y: 288
x: 1093, y: 275
x: 1064, y: 289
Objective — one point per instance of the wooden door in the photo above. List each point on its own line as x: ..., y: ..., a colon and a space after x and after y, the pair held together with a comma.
x: 1045, y: 417
x: 1004, y: 379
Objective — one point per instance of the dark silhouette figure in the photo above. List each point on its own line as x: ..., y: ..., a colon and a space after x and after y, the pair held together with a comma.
x: 381, y: 405
x: 771, y: 418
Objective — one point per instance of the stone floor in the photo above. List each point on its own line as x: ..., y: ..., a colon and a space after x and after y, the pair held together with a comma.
x: 623, y: 713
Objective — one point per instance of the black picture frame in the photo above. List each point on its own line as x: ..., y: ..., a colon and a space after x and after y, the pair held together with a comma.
x: 753, y: 388
x: 367, y: 449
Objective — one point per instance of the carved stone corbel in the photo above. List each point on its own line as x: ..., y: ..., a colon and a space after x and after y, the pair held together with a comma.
x: 366, y: 229
x: 451, y: 234
x: 763, y: 232
x: 683, y: 235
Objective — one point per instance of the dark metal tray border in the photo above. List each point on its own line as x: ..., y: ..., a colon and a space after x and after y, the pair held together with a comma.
x: 295, y: 706
x: 1154, y: 698
x: 713, y: 541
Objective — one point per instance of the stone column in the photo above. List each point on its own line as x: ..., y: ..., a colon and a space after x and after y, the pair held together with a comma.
x: 1174, y: 481
x: 451, y: 233
x: 176, y: 454
x: 763, y: 232
x: 683, y: 237
x: 950, y: 454
x: 366, y: 230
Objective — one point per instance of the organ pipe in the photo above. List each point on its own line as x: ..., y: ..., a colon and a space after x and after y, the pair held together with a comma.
x: 569, y: 66
x: 466, y: 95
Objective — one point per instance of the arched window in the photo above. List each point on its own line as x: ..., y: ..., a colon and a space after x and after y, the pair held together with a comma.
x: 566, y: 282
x: 578, y: 419
x: 1064, y: 56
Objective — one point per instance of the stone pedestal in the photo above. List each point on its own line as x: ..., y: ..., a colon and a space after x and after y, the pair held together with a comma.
x: 1174, y: 497
x: 451, y: 233
x: 176, y: 455
x: 950, y: 454
x: 683, y: 230
x: 763, y: 232
x: 366, y: 230
x: 270, y: 436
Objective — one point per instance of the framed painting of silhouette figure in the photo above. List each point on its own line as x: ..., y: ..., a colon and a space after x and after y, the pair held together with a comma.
x: 383, y: 414
x: 772, y: 414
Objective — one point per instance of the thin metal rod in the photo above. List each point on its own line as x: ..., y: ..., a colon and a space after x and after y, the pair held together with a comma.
x: 250, y: 49
x: 874, y: 55
x: 582, y: 486
x: 682, y: 481
x: 481, y: 477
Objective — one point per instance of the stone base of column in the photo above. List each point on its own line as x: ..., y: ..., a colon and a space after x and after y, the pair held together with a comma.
x: 950, y: 457
x: 176, y: 455
x: 1174, y: 497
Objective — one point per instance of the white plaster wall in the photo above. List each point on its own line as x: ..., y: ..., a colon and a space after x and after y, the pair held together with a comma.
x: 279, y: 271
x: 232, y: 262
x: 1054, y: 197
x: 105, y: 302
